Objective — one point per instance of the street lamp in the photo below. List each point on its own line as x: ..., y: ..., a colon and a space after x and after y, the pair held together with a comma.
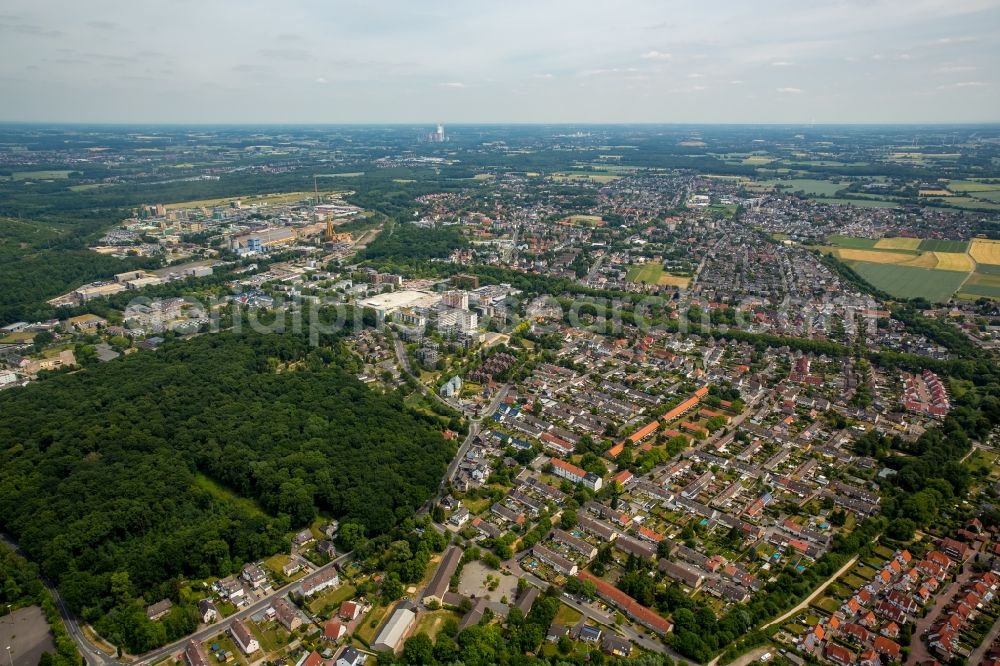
x: 10, y: 656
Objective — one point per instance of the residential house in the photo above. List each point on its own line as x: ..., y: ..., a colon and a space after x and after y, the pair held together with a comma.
x: 351, y: 657
x: 287, y: 615
x: 243, y: 638
x: 209, y: 613
x: 194, y: 655
x: 159, y: 610
x: 319, y: 581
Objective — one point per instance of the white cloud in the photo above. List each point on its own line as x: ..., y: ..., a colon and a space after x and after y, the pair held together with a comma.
x: 736, y: 82
x: 789, y: 91
x: 696, y: 75
x: 453, y: 84
x: 956, y: 68
x: 656, y: 55
x: 946, y: 41
x: 781, y: 63
x: 320, y: 79
x: 962, y: 84
x: 543, y: 76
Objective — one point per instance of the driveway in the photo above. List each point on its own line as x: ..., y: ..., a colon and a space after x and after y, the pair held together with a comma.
x: 919, y: 652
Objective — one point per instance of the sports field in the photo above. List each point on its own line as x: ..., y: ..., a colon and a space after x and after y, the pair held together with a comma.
x: 908, y: 282
x: 985, y: 251
x: 933, y: 245
x: 652, y: 273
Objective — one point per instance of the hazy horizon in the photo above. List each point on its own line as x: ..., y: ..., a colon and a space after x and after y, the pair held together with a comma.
x: 822, y: 62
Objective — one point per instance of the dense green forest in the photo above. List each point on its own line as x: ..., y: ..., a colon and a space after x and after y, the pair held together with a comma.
x: 21, y: 585
x: 408, y: 241
x: 191, y: 460
x: 40, y: 260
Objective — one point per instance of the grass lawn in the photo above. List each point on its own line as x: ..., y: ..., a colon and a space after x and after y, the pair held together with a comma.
x: 429, y: 570
x: 477, y: 506
x: 369, y: 626
x: 431, y: 622
x: 222, y: 493
x: 567, y: 616
x: 271, y: 635
x: 864, y: 571
x: 226, y: 644
x: 646, y: 273
x: 276, y: 562
x: 330, y: 601
x: 828, y: 604
x: 854, y: 581
x: 17, y: 338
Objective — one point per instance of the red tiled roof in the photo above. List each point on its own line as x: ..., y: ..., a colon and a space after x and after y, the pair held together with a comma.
x: 632, y: 607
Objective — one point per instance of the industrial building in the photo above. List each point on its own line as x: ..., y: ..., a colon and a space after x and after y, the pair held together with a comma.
x: 392, y: 634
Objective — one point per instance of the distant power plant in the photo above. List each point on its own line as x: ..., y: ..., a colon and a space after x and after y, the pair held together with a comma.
x: 437, y: 136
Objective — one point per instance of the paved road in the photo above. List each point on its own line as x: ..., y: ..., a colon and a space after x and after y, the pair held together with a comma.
x: 919, y: 653
x: 597, y: 615
x: 91, y: 654
x: 977, y: 655
x: 818, y: 591
x: 748, y: 658
x: 222, y: 625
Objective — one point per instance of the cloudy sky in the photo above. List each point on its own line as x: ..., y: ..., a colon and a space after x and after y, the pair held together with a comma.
x: 332, y: 61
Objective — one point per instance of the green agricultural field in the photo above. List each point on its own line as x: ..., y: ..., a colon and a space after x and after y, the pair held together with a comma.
x: 43, y: 175
x: 973, y: 186
x: 982, y: 284
x: 862, y: 203
x: 969, y: 203
x: 909, y: 282
x: 852, y: 242
x: 992, y: 196
x: 987, y: 269
x: 810, y: 186
x: 583, y: 175
x: 932, y: 245
x: 88, y: 187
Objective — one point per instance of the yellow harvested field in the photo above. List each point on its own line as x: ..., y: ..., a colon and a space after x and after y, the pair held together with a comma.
x: 874, y: 256
x: 953, y: 261
x: 674, y: 281
x: 898, y: 244
x: 985, y: 251
x: 935, y: 193
x: 925, y: 260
